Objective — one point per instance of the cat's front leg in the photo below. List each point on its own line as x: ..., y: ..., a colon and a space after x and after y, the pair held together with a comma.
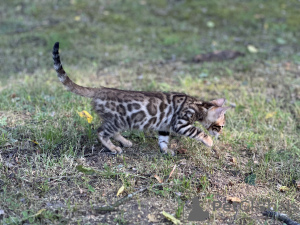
x: 185, y: 128
x: 163, y: 140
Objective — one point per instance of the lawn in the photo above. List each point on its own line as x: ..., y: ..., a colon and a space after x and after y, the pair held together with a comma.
x: 54, y: 171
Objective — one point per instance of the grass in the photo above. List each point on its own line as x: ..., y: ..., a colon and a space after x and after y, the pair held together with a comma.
x: 141, y: 45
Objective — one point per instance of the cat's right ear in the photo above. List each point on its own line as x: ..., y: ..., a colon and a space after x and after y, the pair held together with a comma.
x: 218, y: 102
x: 220, y: 111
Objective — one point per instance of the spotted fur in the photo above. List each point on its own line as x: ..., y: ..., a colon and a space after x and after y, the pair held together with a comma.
x: 164, y: 112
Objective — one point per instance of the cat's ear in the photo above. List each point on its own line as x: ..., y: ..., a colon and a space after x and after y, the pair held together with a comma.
x: 218, y: 102
x: 220, y: 111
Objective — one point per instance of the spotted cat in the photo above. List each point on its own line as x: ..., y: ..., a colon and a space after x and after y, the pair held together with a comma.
x: 164, y: 112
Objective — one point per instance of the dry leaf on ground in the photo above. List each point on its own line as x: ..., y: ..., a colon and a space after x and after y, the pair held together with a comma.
x: 158, y: 178
x: 233, y: 160
x: 270, y: 115
x: 172, y: 171
x: 284, y: 188
x: 252, y: 49
x: 121, y: 190
x: 233, y: 199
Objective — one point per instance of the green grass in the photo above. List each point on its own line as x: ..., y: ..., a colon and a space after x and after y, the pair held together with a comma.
x: 147, y: 45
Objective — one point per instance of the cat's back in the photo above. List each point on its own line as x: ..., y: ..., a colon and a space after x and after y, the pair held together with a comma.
x: 127, y: 96
x: 156, y: 107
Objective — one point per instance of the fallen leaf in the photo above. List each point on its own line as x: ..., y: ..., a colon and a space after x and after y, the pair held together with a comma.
x: 171, y: 218
x: 158, y: 178
x: 85, y: 114
x: 152, y: 218
x: 121, y: 190
x: 284, y: 188
x: 270, y: 115
x: 233, y: 199
x: 252, y: 49
x: 77, y: 18
x: 233, y: 160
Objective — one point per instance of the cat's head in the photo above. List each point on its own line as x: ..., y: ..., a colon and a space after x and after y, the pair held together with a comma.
x: 215, y: 119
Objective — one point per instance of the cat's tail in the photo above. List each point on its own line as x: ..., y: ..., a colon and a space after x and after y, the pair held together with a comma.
x: 69, y: 84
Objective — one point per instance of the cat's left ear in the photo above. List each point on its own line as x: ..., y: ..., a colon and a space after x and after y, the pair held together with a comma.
x: 220, y: 111
x: 218, y: 102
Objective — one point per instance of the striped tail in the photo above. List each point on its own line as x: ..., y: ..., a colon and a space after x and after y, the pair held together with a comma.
x: 66, y: 81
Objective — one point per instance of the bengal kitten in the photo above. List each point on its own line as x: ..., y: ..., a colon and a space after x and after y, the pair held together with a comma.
x: 164, y: 112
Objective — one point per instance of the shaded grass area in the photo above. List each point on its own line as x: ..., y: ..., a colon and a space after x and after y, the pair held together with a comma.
x: 147, y: 46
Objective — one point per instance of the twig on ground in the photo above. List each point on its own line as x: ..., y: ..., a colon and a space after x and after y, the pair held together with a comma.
x: 114, y: 206
x: 172, y: 171
x: 280, y: 216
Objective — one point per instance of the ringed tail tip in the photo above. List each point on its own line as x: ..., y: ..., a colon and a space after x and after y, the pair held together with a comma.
x: 56, y: 46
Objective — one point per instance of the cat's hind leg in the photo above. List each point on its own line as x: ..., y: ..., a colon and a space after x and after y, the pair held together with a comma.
x: 163, y: 141
x: 104, y: 135
x: 124, y: 142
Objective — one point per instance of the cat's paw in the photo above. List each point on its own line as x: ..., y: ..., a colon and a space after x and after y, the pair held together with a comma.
x: 116, y: 150
x: 207, y: 141
x: 126, y: 144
